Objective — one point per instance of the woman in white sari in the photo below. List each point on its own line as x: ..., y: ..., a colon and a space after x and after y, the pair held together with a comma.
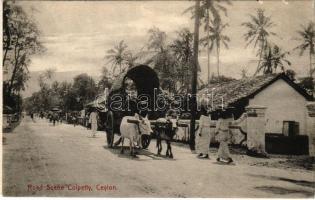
x: 222, y: 133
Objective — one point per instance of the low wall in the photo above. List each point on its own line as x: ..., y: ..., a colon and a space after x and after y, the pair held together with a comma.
x: 237, y: 130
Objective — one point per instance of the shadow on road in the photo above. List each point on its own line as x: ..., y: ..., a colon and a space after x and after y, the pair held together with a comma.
x: 226, y: 164
x: 116, y: 150
x: 283, y: 191
x: 90, y: 136
x: 310, y: 184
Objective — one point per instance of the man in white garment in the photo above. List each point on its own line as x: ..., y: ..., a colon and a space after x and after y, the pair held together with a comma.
x: 93, y: 119
x: 203, y: 141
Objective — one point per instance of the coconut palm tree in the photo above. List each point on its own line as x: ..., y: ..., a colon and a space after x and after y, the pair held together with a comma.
x: 307, y: 39
x: 216, y: 38
x: 160, y: 57
x: 209, y: 10
x: 258, y: 33
x: 273, y: 59
x: 46, y: 77
x: 49, y: 73
x: 133, y: 58
x: 117, y: 56
x: 182, y: 48
x: 212, y: 7
x: 157, y: 39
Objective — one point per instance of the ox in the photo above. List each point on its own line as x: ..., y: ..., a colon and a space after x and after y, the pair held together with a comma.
x: 132, y: 127
x: 166, y: 129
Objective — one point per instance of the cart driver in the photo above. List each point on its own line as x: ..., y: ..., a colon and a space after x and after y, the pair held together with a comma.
x: 131, y: 89
x: 174, y: 111
x: 173, y: 114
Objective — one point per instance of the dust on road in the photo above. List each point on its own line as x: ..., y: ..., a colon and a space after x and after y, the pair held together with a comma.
x: 44, y: 160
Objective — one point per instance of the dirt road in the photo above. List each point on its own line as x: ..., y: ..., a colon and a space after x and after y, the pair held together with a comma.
x: 62, y: 160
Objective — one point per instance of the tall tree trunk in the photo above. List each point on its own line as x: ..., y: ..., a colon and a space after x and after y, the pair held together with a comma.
x: 16, y: 57
x: 182, y: 76
x: 7, y: 32
x: 12, y: 79
x: 218, y: 61
x: 194, y: 79
x: 260, y: 55
x: 208, y: 65
x: 5, y: 56
x: 208, y: 45
x: 310, y: 63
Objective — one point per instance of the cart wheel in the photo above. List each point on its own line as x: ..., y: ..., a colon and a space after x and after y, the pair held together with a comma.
x: 145, y: 141
x: 110, y: 129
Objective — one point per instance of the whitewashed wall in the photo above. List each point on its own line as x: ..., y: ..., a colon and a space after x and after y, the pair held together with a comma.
x: 283, y: 104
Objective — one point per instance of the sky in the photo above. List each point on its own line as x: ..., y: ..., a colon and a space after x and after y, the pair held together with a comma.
x: 77, y: 34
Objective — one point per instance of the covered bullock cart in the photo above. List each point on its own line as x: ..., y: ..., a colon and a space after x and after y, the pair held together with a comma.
x: 125, y: 99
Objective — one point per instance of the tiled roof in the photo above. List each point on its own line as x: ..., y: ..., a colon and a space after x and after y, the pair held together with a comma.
x: 235, y: 90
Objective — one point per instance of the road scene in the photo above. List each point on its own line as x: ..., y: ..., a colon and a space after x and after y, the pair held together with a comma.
x: 202, y: 98
x: 39, y: 153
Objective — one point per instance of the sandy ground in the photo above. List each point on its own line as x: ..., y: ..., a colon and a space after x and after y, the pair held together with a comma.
x: 44, y: 160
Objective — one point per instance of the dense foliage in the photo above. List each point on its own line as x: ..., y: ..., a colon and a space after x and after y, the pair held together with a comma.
x: 65, y: 96
x: 21, y: 39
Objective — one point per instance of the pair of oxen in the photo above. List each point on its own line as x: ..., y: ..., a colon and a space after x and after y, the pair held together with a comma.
x: 132, y: 127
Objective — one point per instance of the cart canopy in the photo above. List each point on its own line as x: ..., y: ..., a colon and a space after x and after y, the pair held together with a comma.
x: 144, y: 77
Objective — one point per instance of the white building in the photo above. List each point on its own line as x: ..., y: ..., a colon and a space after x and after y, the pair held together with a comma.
x: 284, y: 101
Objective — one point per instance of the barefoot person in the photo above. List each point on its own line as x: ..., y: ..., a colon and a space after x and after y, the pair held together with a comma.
x: 204, y: 135
x: 93, y: 121
x: 223, y: 135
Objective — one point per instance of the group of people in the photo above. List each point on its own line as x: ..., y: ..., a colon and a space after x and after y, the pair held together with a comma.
x: 54, y: 117
x: 221, y: 133
x: 203, y: 138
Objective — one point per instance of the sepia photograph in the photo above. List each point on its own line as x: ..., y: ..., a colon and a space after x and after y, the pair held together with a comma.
x: 158, y: 98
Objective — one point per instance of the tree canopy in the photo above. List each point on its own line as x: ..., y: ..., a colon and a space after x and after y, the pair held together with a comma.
x: 21, y: 39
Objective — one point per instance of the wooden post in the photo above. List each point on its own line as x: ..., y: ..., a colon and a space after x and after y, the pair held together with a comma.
x: 194, y: 78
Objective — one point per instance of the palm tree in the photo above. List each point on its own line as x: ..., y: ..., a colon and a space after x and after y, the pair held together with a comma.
x: 209, y: 10
x: 159, y: 55
x: 258, y: 32
x: 105, y: 80
x: 273, y: 59
x: 132, y: 58
x: 216, y: 38
x: 46, y: 76
x: 307, y: 38
x: 207, y: 29
x: 157, y: 39
x: 49, y: 73
x: 213, y: 7
x: 117, y: 56
x: 182, y: 48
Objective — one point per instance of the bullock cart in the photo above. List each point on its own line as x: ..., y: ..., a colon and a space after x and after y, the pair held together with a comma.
x: 125, y: 98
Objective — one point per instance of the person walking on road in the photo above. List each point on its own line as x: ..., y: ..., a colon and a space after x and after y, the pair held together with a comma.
x: 32, y: 117
x: 93, y: 120
x: 203, y: 141
x: 74, y: 119
x: 55, y: 118
x: 223, y: 136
